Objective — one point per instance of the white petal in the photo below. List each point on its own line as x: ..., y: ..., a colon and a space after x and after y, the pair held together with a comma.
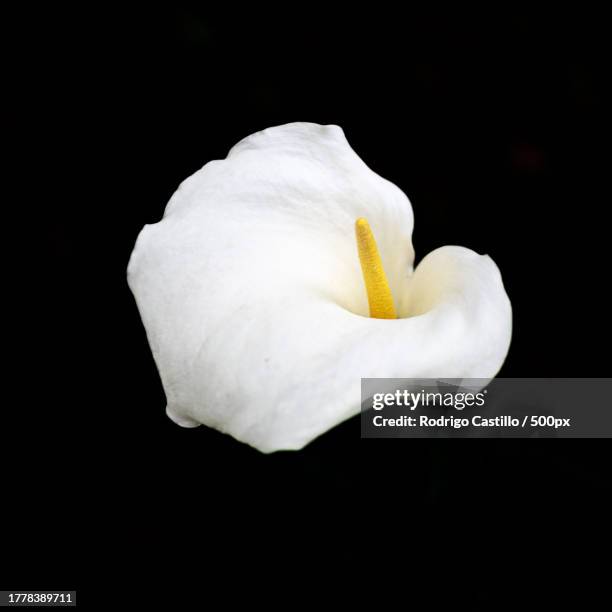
x: 252, y: 297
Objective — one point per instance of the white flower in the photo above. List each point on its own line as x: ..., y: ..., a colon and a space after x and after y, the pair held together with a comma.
x: 254, y: 303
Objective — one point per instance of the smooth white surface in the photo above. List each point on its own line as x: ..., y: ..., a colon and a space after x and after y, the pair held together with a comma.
x: 252, y: 297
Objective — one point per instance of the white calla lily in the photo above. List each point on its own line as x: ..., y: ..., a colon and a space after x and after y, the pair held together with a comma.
x: 254, y: 304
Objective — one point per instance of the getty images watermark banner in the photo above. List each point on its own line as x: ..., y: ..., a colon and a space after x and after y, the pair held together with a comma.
x: 477, y: 408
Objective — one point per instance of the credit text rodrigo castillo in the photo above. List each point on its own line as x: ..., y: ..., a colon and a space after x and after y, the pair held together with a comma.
x: 412, y: 401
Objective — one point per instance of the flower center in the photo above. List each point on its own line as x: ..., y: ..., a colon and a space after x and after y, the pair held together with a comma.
x: 380, y: 299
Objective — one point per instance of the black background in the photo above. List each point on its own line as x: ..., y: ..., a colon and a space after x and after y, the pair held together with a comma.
x: 494, y: 125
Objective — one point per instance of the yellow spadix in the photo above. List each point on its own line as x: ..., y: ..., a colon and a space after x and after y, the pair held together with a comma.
x: 380, y: 299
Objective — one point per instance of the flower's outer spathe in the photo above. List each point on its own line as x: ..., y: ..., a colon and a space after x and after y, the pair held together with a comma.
x: 252, y: 296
